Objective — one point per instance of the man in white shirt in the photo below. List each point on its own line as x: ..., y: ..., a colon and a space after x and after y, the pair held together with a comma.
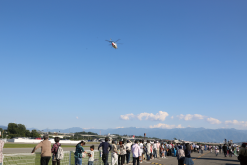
x: 142, y: 154
x: 136, y: 151
x: 155, y: 149
x: 128, y: 149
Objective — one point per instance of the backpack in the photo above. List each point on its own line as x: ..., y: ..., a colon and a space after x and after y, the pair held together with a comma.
x: 181, y: 154
x: 60, y: 153
x: 144, y: 149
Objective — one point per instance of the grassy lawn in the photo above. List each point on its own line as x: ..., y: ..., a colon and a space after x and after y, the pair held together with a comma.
x: 11, y: 145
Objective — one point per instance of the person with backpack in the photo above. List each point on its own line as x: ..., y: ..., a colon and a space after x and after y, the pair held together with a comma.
x: 180, y: 155
x: 79, y: 153
x: 54, y: 150
x: 105, y: 147
x: 45, y: 146
x: 187, y: 151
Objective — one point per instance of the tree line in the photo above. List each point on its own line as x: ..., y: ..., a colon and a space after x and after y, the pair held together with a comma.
x: 18, y: 130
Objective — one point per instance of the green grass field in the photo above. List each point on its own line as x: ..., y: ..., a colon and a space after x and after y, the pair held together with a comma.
x: 12, y: 145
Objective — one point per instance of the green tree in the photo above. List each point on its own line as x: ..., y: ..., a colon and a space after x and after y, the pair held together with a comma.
x: 34, y: 133
x: 21, y: 130
x: 12, y: 128
x: 27, y: 133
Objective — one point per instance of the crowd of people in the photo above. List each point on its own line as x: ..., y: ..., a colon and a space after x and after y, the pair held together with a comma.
x: 140, y: 151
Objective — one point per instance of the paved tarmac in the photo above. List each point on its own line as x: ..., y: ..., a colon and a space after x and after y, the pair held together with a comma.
x: 206, y: 158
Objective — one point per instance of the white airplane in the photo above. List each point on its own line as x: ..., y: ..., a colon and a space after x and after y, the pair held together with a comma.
x: 113, y: 43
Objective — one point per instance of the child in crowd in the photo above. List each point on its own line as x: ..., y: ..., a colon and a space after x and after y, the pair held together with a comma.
x: 91, y: 155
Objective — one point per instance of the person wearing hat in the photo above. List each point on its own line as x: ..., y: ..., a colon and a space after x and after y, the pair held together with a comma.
x: 105, y: 147
x: 45, y: 146
x: 136, y: 151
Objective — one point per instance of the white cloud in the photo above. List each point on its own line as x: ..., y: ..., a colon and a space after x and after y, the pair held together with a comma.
x: 149, y: 116
x: 190, y: 117
x: 172, y: 117
x: 127, y: 116
x: 236, y: 122
x: 77, y: 117
x: 161, y: 116
x: 213, y: 121
x: 166, y: 126
x: 119, y: 127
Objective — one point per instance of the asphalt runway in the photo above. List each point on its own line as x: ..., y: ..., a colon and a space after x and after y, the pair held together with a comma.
x: 206, y: 158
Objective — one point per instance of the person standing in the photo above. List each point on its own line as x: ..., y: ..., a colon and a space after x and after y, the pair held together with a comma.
x: 141, y: 148
x: 216, y: 150
x: 54, y: 151
x: 1, y: 151
x: 243, y: 155
x: 180, y: 156
x: 155, y: 149
x: 122, y: 149
x: 45, y: 146
x: 114, y: 153
x: 105, y: 147
x: 158, y: 149
x: 79, y: 150
x: 225, y: 149
x: 220, y: 147
x: 187, y: 151
x: 136, y: 151
x: 202, y: 148
x: 91, y: 155
x: 148, y: 150
x: 128, y: 149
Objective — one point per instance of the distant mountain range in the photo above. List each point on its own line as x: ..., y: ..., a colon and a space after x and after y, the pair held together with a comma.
x: 190, y: 134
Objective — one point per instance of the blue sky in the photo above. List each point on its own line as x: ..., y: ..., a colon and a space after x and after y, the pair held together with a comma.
x: 182, y: 63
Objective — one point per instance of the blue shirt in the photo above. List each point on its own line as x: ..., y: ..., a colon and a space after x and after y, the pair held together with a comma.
x: 105, y: 146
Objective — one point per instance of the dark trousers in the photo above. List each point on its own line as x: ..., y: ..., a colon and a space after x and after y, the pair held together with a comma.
x: 56, y: 162
x: 105, y: 159
x: 121, y: 159
x: 134, y: 160
x: 181, y: 162
x: 155, y: 154
x: 128, y: 156
x: 225, y: 153
x: 44, y: 160
x: 148, y: 156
